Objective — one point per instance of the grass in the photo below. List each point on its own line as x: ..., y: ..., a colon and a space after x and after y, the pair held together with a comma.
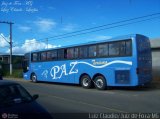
x: 17, y: 73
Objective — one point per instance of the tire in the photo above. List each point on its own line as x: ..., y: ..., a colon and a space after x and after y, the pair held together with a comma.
x: 86, y: 81
x: 34, y: 78
x: 100, y: 83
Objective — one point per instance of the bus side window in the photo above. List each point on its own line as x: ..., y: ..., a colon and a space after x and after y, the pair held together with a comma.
x: 103, y: 50
x: 92, y: 51
x: 76, y: 53
x: 129, y: 47
x: 35, y: 57
x: 70, y: 53
x: 114, y: 49
x: 83, y: 52
x: 122, y: 48
x: 43, y: 56
x: 61, y: 54
x: 49, y: 56
x: 54, y: 55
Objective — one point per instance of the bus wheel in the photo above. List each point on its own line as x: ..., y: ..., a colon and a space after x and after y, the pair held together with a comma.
x: 34, y: 78
x: 100, y: 83
x: 86, y: 81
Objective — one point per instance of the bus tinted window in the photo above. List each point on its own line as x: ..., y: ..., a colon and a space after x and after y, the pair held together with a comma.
x: 83, y: 52
x: 110, y: 49
x: 113, y: 48
x: 103, y: 50
x: 92, y: 51
x: 70, y: 53
x: 35, y: 57
x: 76, y: 53
x: 49, y: 55
x: 54, y: 55
x: 122, y: 48
x: 61, y: 54
x: 43, y: 56
x: 128, y: 47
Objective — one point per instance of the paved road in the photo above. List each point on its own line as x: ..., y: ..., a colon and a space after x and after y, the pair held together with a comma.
x: 60, y: 98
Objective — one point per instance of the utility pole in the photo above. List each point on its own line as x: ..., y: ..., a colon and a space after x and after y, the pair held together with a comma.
x: 10, y: 43
x: 10, y: 48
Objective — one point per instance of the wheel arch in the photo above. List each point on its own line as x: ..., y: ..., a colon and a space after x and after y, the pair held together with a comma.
x: 31, y: 75
x: 98, y: 74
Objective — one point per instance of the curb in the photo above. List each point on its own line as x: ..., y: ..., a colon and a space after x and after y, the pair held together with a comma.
x: 18, y: 79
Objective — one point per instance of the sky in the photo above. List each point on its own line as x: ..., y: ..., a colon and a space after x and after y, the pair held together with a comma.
x: 36, y: 21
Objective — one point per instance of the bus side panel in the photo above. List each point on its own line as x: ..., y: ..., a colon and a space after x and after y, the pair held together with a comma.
x: 107, y: 67
x: 120, y: 72
x: 88, y: 67
x: 117, y: 71
x: 54, y: 71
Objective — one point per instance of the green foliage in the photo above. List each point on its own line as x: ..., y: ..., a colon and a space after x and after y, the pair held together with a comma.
x: 17, y: 73
x: 17, y: 60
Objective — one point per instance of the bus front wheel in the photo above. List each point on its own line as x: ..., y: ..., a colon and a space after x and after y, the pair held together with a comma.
x: 34, y: 78
x: 100, y: 83
x: 86, y: 81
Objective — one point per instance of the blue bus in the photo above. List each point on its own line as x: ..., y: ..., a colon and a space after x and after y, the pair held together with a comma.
x: 120, y: 61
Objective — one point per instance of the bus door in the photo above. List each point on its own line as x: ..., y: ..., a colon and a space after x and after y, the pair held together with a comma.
x: 25, y: 63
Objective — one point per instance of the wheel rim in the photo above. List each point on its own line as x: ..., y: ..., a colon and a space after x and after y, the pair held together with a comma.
x: 99, y: 83
x: 33, y: 78
x: 85, y: 81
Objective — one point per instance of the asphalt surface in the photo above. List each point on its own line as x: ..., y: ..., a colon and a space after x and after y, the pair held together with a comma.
x: 64, y: 98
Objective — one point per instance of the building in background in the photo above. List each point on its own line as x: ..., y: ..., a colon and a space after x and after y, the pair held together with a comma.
x: 155, y: 47
x: 16, y: 61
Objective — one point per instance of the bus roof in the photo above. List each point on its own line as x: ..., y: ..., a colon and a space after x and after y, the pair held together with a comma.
x: 130, y: 36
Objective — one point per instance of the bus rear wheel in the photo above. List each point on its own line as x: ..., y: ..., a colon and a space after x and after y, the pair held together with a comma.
x: 34, y: 78
x: 86, y: 81
x: 100, y: 83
